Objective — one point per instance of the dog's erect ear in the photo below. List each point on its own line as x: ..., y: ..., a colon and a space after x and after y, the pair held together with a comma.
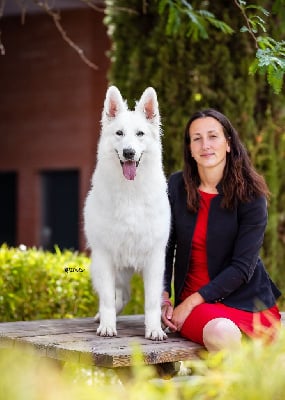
x: 114, y: 103
x: 148, y: 105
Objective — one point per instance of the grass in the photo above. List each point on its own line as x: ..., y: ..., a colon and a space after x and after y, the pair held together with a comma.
x: 254, y: 372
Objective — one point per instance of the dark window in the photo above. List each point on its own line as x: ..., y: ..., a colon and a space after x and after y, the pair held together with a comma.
x: 59, y: 222
x: 8, y: 207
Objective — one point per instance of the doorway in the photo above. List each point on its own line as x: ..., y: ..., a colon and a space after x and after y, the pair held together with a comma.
x: 8, y: 207
x: 60, y: 210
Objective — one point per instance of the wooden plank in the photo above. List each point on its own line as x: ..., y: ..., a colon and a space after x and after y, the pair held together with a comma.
x: 76, y: 340
x: 118, y: 353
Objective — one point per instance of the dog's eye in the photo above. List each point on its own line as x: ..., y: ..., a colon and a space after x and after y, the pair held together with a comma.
x: 140, y: 133
x: 120, y: 133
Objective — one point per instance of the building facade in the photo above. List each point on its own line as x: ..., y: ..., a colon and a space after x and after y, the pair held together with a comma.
x: 50, y: 111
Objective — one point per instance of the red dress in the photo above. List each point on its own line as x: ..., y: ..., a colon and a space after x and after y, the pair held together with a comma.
x: 254, y: 324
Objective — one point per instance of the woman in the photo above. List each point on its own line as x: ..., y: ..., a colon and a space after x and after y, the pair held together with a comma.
x: 219, y: 215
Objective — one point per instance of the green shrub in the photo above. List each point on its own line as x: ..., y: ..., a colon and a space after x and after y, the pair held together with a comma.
x: 36, y: 284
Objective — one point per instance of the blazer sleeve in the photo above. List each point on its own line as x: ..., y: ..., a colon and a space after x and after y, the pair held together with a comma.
x: 171, y: 245
x: 252, y: 220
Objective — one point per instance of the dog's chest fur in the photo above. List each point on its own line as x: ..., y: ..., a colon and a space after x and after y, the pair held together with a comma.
x: 130, y: 222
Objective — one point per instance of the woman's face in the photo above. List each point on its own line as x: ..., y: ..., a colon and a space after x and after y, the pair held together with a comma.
x: 208, y: 144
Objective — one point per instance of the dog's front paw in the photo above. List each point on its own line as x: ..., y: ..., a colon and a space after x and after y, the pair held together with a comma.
x: 155, y: 334
x: 106, y: 331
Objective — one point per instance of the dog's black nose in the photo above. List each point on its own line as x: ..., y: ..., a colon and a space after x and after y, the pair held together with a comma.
x: 129, y: 154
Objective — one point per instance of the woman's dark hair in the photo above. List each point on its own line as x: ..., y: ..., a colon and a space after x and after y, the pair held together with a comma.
x: 240, y: 181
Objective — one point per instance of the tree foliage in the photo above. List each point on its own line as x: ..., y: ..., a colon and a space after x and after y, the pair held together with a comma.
x: 270, y: 54
x: 198, y: 20
x: 269, y: 57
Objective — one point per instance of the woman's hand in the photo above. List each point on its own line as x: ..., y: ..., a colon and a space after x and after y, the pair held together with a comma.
x: 167, y: 312
x: 166, y: 316
x: 181, y: 312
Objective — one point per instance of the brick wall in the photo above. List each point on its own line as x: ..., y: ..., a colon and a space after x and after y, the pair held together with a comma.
x: 50, y: 107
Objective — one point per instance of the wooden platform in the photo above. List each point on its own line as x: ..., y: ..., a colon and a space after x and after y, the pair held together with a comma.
x: 76, y: 340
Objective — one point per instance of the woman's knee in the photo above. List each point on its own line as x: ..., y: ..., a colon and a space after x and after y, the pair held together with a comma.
x: 221, y: 333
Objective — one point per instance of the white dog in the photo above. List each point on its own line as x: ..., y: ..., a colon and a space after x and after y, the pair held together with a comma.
x: 127, y: 214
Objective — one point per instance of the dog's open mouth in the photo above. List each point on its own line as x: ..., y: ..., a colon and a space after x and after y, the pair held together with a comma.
x: 129, y: 166
x: 129, y: 169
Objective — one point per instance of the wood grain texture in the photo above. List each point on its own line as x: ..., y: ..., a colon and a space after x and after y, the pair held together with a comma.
x: 76, y: 340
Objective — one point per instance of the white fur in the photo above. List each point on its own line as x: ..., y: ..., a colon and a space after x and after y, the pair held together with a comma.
x: 127, y: 221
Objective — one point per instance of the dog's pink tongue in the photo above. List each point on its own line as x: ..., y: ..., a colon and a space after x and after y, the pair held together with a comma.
x: 129, y: 170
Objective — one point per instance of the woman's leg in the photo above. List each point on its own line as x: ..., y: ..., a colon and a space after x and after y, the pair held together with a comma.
x: 221, y: 333
x: 217, y: 326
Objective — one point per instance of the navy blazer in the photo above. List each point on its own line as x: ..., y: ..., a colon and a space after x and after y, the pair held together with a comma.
x: 234, y: 237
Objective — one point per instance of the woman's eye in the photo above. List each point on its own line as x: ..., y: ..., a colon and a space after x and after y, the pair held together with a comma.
x: 119, y: 133
x: 140, y: 133
x: 196, y: 138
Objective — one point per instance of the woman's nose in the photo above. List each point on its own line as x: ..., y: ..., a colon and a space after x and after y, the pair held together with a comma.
x: 205, y: 143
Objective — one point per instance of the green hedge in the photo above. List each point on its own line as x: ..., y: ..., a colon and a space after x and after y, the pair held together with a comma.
x: 36, y: 284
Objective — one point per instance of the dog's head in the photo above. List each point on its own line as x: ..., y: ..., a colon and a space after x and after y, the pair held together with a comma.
x: 130, y: 134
